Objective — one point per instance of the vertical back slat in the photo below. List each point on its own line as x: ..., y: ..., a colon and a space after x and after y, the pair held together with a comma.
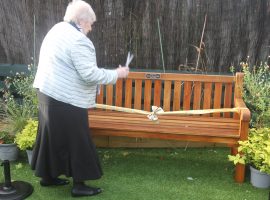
x: 109, y: 94
x: 177, y: 95
x: 197, y: 95
x: 167, y: 95
x: 187, y: 95
x: 157, y: 92
x: 119, y: 92
x: 207, y: 96
x: 147, y: 94
x: 217, y: 98
x: 138, y: 94
x: 228, y: 97
x: 128, y: 93
x: 100, y: 95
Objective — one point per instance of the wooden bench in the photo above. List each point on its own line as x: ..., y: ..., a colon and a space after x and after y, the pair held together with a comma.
x: 174, y: 92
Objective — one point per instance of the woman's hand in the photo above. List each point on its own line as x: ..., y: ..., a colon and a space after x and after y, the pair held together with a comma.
x: 122, y: 71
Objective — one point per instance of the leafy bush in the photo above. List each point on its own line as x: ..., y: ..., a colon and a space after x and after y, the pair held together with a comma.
x: 19, y: 101
x: 257, y: 93
x: 255, y: 150
x: 27, y: 137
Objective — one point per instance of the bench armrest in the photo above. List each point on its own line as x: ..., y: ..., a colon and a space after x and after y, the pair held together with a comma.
x: 244, y: 111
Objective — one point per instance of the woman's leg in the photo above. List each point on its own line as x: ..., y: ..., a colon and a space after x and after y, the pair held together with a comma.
x: 81, y: 189
x: 49, y: 181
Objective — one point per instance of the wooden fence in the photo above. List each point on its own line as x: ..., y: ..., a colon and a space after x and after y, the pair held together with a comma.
x: 234, y: 30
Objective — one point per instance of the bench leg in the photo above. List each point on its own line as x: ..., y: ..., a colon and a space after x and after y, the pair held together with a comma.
x: 234, y: 151
x: 239, y: 176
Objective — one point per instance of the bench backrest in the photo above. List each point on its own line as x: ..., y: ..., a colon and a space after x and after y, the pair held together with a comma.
x: 173, y: 91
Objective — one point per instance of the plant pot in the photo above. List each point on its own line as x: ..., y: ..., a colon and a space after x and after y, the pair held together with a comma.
x: 8, y: 152
x: 29, y: 155
x: 259, y: 179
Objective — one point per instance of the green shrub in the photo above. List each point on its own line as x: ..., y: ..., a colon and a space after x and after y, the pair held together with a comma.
x: 6, y: 137
x: 27, y: 137
x: 256, y: 93
x: 19, y: 102
x: 255, y: 150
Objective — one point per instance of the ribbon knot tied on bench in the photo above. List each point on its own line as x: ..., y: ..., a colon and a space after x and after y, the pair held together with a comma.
x: 153, y: 116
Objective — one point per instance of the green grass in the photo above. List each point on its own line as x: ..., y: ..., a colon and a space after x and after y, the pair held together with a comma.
x: 155, y: 174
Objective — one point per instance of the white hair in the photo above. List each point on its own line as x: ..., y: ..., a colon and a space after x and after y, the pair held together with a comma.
x: 78, y: 10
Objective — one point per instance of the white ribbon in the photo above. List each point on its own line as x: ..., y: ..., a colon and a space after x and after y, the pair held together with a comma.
x: 129, y: 59
x: 153, y: 116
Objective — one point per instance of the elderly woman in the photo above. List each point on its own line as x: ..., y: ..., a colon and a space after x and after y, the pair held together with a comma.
x: 67, y: 79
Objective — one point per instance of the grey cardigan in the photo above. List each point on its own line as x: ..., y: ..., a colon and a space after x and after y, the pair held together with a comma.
x: 67, y: 69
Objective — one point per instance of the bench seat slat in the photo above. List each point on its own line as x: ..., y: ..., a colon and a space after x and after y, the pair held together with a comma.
x: 197, y: 138
x: 180, y: 117
x: 164, y: 125
x: 168, y: 129
x: 169, y: 125
x: 172, y: 122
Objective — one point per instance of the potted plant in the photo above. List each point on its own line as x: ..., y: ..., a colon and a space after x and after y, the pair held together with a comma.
x: 256, y: 152
x: 19, y: 101
x: 8, y: 149
x: 25, y: 140
x: 256, y: 93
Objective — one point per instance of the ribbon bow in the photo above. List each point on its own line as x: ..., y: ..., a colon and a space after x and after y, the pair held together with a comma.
x: 153, y: 116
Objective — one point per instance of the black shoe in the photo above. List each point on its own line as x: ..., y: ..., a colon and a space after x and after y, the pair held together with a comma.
x: 84, y: 190
x: 54, y: 182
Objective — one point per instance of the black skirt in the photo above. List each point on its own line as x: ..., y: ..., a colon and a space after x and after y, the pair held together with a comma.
x: 64, y: 145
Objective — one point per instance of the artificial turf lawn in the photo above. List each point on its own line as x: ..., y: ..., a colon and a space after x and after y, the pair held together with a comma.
x: 155, y: 174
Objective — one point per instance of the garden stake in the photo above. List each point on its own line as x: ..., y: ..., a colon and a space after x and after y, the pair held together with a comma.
x: 161, y: 49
